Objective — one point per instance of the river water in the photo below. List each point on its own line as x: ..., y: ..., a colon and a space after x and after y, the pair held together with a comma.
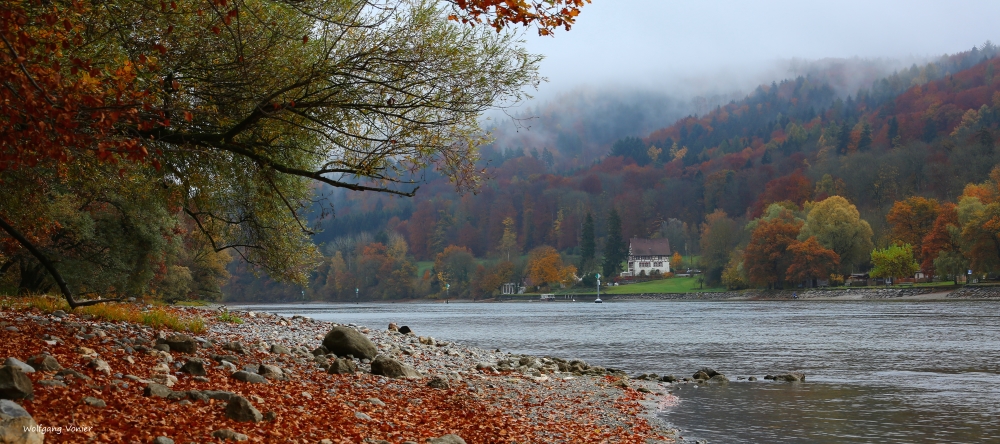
x: 887, y: 372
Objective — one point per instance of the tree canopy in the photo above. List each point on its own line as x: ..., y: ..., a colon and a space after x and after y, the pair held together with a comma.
x: 233, y: 108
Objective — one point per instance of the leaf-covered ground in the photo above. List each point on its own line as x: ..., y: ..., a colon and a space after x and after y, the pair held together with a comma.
x: 311, y: 405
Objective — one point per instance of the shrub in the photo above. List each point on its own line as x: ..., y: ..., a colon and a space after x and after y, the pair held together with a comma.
x: 229, y: 317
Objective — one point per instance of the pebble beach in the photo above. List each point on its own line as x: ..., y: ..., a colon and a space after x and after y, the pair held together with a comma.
x: 271, y: 379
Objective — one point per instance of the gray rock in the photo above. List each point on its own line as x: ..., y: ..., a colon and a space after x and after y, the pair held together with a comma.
x: 376, y: 401
x: 11, y: 328
x: 669, y: 378
x: 752, y: 378
x: 438, y: 383
x: 74, y: 373
x: 272, y: 372
x: 202, y: 379
x: 95, y: 402
x: 342, y: 366
x: 270, y: 416
x: 218, y: 395
x: 446, y: 439
x: 701, y: 376
x: 791, y: 377
x: 227, y: 358
x: 248, y: 377
x: 320, y: 351
x: 239, y: 409
x: 100, y: 365
x: 157, y: 390
x: 162, y: 347
x: 237, y: 347
x: 344, y: 341
x: 719, y: 379
x: 59, y: 314
x: 17, y: 426
x: 52, y: 383
x: 386, y: 366
x: 362, y: 416
x: 228, y: 366
x: 14, y: 384
x: 194, y: 366
x: 709, y: 371
x: 180, y: 343
x: 21, y: 365
x: 44, y: 363
x: 404, y: 330
x: 197, y: 395
x: 229, y: 435
x: 163, y: 440
x: 280, y: 349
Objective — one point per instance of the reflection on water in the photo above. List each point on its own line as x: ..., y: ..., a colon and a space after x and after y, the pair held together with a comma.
x: 876, y: 371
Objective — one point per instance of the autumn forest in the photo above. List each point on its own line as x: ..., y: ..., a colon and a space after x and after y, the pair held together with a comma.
x: 197, y: 184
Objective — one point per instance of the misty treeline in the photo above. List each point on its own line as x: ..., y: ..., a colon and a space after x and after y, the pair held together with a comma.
x: 710, y: 182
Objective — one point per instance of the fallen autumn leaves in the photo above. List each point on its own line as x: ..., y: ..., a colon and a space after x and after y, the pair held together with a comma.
x: 308, y: 405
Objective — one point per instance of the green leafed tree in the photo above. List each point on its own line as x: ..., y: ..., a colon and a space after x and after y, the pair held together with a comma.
x: 837, y: 225
x: 895, y: 261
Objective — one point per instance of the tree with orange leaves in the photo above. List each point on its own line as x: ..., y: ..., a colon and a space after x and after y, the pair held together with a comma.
x: 911, y: 219
x: 546, y: 15
x: 766, y: 258
x: 942, y: 238
x: 545, y: 267
x: 811, y: 261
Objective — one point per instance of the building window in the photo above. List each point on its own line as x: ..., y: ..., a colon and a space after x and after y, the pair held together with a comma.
x: 657, y: 264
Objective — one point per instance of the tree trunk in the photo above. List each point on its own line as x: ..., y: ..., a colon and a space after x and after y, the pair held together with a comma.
x: 49, y: 266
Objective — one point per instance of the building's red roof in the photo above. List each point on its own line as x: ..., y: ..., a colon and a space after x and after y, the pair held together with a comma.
x: 649, y: 247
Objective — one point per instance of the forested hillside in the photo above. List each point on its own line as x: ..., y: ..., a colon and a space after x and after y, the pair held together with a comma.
x: 707, y: 182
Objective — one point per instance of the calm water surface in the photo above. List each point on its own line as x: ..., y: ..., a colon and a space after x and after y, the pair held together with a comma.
x: 887, y: 372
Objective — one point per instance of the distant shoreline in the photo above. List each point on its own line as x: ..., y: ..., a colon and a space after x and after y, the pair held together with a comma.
x: 922, y: 294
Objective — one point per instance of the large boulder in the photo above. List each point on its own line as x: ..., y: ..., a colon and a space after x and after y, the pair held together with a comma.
x: 343, y: 341
x: 17, y: 426
x: 272, y: 372
x: 44, y: 363
x: 180, y: 343
x: 11, y: 361
x: 157, y: 390
x: 342, y: 366
x: 386, y: 366
x: 791, y: 377
x: 248, y: 377
x: 239, y: 409
x: 14, y: 384
x: 195, y: 367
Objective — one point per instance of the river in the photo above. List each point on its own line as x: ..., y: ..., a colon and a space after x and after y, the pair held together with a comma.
x: 887, y: 372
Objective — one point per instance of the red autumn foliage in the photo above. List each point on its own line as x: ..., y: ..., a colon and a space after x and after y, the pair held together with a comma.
x: 811, y: 261
x: 55, y: 106
x: 766, y: 258
x: 938, y: 239
x: 794, y: 188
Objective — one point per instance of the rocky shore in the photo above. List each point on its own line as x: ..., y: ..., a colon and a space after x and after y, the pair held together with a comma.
x: 297, y: 380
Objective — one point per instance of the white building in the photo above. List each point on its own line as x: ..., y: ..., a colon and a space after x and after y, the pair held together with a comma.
x: 647, y: 255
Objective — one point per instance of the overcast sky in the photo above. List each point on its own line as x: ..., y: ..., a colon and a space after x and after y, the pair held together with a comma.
x: 654, y: 42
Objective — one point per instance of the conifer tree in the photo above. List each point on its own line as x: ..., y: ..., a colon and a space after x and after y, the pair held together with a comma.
x: 587, y: 244
x: 615, y: 249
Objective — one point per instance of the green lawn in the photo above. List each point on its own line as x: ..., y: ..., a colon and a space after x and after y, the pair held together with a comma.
x: 672, y: 285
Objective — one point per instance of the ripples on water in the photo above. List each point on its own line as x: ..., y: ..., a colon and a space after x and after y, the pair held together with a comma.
x: 877, y: 371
